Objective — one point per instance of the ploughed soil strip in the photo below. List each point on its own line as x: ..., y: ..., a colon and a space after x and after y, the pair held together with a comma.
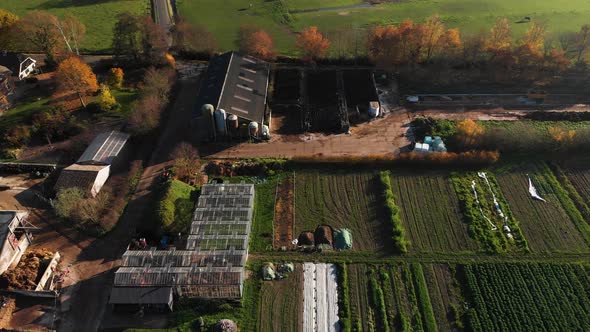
x: 284, y: 217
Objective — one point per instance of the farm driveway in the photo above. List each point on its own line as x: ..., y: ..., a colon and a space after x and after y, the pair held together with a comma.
x: 85, y: 303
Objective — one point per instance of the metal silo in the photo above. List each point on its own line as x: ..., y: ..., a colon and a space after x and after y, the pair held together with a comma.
x: 253, y: 129
x: 207, y: 111
x: 220, y: 122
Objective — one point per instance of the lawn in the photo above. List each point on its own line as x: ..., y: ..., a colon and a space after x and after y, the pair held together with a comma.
x: 555, y: 225
x: 98, y: 16
x: 470, y: 16
x: 342, y: 200
x: 431, y: 213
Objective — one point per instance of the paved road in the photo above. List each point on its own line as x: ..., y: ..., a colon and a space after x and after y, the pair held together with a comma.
x: 162, y: 16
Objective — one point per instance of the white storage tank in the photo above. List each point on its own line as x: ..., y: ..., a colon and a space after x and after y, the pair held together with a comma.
x: 208, y: 111
x: 232, y: 123
x: 374, y: 109
x: 220, y: 122
x: 253, y: 128
x: 265, y: 132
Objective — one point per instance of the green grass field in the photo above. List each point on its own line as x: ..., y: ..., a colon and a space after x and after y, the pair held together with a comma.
x: 224, y: 17
x: 98, y: 15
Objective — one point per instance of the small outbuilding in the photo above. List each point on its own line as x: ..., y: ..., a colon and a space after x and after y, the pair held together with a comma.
x: 268, y: 272
x: 93, y: 168
x: 324, y: 235
x: 342, y: 239
x: 157, y: 299
x: 306, y: 239
x: 19, y: 64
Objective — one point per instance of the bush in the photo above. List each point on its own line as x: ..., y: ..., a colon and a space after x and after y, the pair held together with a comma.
x: 17, y: 137
x: 176, y: 206
x: 11, y: 153
x: 115, y: 78
x: 106, y: 101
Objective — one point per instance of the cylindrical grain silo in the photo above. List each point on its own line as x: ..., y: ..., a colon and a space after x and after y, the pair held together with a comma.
x: 220, y: 122
x: 207, y: 110
x: 232, y: 123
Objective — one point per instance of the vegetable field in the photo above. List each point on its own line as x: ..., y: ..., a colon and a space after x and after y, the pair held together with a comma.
x: 431, y: 214
x: 281, y: 303
x: 389, y: 297
x: 486, y: 222
x: 528, y: 297
x: 580, y: 179
x: 445, y: 296
x: 342, y: 199
x: 555, y: 225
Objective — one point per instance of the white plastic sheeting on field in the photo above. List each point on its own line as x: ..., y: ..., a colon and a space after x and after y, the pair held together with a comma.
x: 533, y: 191
x: 504, y: 218
x: 320, y: 298
x: 494, y: 228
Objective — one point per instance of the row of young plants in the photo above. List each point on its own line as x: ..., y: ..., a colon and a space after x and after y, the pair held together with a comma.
x: 527, y: 297
x: 491, y: 240
x: 566, y: 201
x: 393, y: 211
x: 343, y: 298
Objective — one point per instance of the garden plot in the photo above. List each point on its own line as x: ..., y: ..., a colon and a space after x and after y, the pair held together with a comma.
x: 389, y: 297
x: 431, y: 213
x: 281, y: 304
x: 580, y: 179
x: 342, y: 200
x: 445, y: 296
x: 527, y: 297
x: 554, y: 225
x: 491, y: 221
x: 283, y: 219
x: 320, y: 297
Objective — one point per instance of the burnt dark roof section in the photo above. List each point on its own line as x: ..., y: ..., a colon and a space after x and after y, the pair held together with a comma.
x: 238, y: 84
x: 11, y: 61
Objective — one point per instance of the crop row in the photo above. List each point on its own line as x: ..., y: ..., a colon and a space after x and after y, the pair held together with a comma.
x: 552, y: 225
x: 493, y: 239
x: 527, y: 297
x: 431, y: 213
x: 393, y: 211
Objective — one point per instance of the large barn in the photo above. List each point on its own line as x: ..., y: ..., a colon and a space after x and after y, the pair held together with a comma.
x: 234, y: 90
x: 212, y: 265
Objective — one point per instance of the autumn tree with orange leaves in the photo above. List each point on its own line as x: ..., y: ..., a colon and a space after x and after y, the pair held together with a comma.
x: 312, y: 44
x: 73, y: 74
x: 258, y: 43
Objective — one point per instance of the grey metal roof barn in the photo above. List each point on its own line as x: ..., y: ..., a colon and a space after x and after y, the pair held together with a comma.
x: 212, y: 265
x: 237, y: 84
x: 104, y: 148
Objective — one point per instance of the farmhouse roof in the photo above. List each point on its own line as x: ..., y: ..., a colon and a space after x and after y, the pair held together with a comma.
x: 78, y: 176
x: 11, y: 61
x: 104, y: 148
x: 238, y: 84
x: 143, y: 295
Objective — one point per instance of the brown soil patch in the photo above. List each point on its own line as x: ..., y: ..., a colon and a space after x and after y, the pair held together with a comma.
x: 26, y: 274
x: 284, y: 217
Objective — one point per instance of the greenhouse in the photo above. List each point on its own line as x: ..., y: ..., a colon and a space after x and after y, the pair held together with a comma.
x: 212, y: 264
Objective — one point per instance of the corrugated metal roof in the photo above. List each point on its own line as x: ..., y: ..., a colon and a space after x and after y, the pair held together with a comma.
x: 78, y: 176
x: 236, y: 83
x: 141, y: 295
x: 104, y: 148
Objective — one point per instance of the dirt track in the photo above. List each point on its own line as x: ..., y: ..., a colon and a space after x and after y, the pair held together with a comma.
x: 87, y: 300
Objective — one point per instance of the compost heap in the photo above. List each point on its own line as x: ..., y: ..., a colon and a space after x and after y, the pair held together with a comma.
x: 25, y: 275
